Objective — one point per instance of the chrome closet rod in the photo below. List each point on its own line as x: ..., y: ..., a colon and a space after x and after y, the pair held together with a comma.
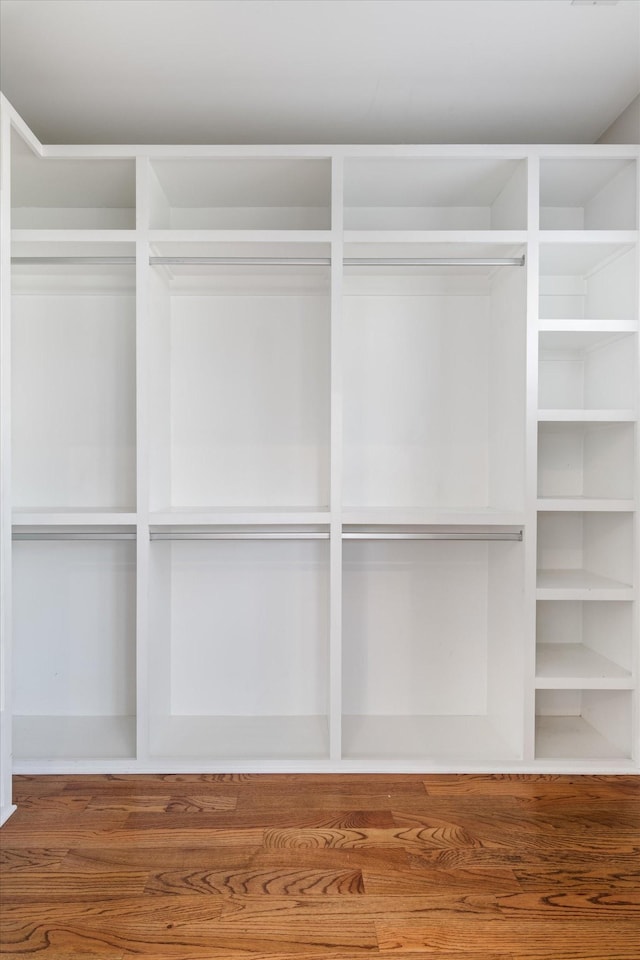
x: 285, y: 261
x: 444, y: 535
x: 70, y: 535
x: 238, y: 535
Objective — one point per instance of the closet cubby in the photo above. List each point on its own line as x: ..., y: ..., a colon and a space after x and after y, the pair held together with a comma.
x: 241, y: 194
x: 587, y: 461
x: 239, y: 666
x: 61, y: 194
x: 584, y: 643
x: 74, y: 382
x: 431, y: 659
x: 584, y: 725
x: 588, y: 372
x: 435, y: 194
x: 433, y: 387
x: 588, y: 194
x: 240, y: 383
x: 585, y: 551
x: 74, y: 661
x: 588, y: 282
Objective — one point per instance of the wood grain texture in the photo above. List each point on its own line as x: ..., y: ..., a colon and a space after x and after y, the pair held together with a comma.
x: 322, y: 868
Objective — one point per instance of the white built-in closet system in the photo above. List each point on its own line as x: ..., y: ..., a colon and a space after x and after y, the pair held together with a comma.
x: 321, y: 458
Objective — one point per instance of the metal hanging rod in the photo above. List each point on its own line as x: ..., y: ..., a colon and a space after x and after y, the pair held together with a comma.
x: 285, y: 261
x: 82, y: 261
x: 444, y: 535
x: 238, y: 535
x: 434, y: 261
x: 70, y: 535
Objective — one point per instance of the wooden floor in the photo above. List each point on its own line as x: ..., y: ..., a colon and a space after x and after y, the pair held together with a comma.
x: 332, y: 867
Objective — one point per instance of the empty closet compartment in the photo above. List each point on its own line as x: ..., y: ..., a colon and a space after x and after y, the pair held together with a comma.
x: 584, y: 725
x: 586, y: 461
x: 588, y: 195
x: 74, y: 380
x: 588, y: 371
x: 239, y: 644
x: 239, y: 377
x: 584, y: 644
x: 588, y: 281
x: 585, y: 551
x: 241, y: 194
x: 431, y: 647
x: 70, y: 194
x: 74, y: 651
x: 428, y: 194
x: 433, y: 377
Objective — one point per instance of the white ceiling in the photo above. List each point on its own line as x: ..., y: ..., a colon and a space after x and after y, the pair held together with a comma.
x: 319, y: 71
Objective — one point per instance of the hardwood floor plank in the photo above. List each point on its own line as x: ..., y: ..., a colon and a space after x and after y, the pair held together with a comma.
x: 64, y: 884
x: 527, y: 940
x: 531, y: 786
x: 140, y: 804
x: 428, y: 878
x: 301, y: 818
x: 205, y: 856
x: 271, y: 882
x: 419, y: 838
x: 25, y: 860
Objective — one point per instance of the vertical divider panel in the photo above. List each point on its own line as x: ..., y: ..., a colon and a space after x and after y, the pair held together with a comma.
x: 335, y: 542
x: 143, y: 352
x: 6, y: 807
x: 635, y: 655
x: 531, y: 457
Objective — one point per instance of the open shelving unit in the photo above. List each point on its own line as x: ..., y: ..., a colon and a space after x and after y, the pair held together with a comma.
x: 322, y: 459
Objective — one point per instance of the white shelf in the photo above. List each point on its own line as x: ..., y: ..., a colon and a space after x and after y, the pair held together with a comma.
x: 580, y: 584
x: 438, y: 738
x: 450, y: 516
x: 429, y: 194
x: 597, y: 325
x: 574, y: 665
x: 585, y: 503
x: 587, y: 416
x: 572, y: 738
x: 238, y: 516
x: 241, y: 738
x: 588, y: 194
x: 74, y: 738
x: 80, y: 517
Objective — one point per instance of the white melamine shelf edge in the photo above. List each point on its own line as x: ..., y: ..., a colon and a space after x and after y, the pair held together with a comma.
x: 388, y: 516
x: 585, y: 593
x: 576, y: 579
x: 581, y: 325
x: 564, y: 666
x: 239, y: 236
x: 73, y: 518
x: 385, y: 765
x: 588, y: 236
x: 587, y: 504
x: 73, y: 236
x: 570, y: 151
x: 586, y: 416
x: 436, y: 236
x: 239, y: 517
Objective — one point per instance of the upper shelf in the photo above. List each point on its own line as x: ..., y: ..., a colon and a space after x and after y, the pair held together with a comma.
x: 241, y: 194
x: 588, y: 195
x: 428, y: 194
x: 71, y: 194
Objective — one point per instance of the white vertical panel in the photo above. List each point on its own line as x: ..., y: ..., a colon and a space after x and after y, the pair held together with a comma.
x: 336, y: 463
x: 6, y: 807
